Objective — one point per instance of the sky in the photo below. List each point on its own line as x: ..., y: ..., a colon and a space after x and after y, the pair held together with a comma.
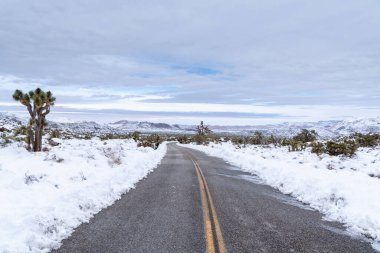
x: 225, y: 62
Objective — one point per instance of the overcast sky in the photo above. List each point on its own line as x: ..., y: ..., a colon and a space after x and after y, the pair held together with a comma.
x: 227, y: 62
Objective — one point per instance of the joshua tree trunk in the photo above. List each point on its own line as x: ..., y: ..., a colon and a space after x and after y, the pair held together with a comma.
x: 37, y: 140
x: 30, y: 139
x: 38, y: 131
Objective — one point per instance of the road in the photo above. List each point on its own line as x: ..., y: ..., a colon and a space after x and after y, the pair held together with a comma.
x: 196, y: 203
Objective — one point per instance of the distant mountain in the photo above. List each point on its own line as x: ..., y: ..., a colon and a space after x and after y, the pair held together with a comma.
x: 325, y: 129
x: 144, y: 126
x: 9, y: 122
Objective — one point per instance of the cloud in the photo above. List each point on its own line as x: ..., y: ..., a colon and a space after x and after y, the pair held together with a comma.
x: 279, y: 53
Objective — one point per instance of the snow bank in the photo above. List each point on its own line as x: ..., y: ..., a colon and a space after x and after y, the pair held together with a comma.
x: 44, y: 196
x: 344, y: 189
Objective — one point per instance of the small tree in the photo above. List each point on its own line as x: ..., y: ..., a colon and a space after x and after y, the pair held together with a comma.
x: 38, y: 104
x: 202, y: 129
x: 202, y: 132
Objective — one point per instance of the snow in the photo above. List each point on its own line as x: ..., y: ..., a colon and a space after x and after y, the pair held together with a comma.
x: 45, y: 195
x: 343, y: 189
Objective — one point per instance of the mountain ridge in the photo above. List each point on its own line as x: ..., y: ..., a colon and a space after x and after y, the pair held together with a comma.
x: 326, y: 129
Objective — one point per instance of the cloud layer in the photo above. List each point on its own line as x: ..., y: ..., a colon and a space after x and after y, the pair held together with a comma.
x: 294, y: 59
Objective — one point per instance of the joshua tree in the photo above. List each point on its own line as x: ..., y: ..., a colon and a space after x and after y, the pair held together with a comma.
x: 38, y: 104
x: 203, y: 130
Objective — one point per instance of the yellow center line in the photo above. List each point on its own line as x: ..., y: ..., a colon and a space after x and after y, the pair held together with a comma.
x: 219, y: 236
x: 206, y: 214
x: 205, y: 193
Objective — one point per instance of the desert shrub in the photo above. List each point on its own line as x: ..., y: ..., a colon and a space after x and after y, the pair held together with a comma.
x: 306, y: 136
x: 3, y: 129
x: 114, y: 157
x: 88, y: 136
x: 152, y: 141
x: 215, y: 139
x: 112, y: 136
x: 30, y: 179
x: 367, y: 140
x: 200, y: 139
x: 318, y: 148
x: 296, y: 146
x: 344, y: 147
x: 183, y: 139
x: 239, y: 140
x: 52, y: 143
x: 22, y: 130
x: 273, y: 140
x: 55, y: 134
x: 257, y: 138
x: 4, y: 140
x: 135, y: 136
x: 285, y: 141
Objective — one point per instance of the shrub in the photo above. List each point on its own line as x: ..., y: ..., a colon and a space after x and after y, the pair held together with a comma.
x: 22, y: 130
x: 88, y: 136
x: 183, y: 139
x: 135, y: 136
x: 318, y: 148
x: 257, y: 138
x: 296, y: 146
x: 343, y: 147
x: 367, y: 140
x: 112, y: 136
x: 152, y: 141
x: 200, y: 139
x: 55, y: 134
x: 306, y: 136
x: 3, y: 129
x: 239, y: 140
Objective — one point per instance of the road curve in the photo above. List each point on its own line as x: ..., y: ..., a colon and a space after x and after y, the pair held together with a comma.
x: 196, y: 203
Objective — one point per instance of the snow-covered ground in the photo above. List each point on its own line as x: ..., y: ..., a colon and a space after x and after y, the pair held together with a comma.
x: 344, y: 189
x: 45, y: 195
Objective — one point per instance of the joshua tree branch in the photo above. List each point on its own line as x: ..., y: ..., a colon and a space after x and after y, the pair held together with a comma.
x: 29, y: 106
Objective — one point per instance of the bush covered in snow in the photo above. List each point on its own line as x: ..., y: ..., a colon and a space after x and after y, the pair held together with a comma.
x: 346, y: 146
x: 306, y: 136
x: 152, y: 141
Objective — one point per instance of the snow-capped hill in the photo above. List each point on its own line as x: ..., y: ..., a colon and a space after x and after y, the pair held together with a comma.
x: 145, y: 126
x: 9, y: 122
x: 358, y: 125
x: 325, y: 129
x: 84, y: 127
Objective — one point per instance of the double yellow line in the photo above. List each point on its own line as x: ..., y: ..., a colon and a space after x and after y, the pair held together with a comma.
x: 207, y: 205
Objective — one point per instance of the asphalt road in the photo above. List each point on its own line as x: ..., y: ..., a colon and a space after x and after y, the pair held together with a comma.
x: 170, y: 211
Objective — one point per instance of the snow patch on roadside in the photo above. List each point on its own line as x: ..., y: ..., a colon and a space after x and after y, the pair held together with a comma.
x: 344, y: 189
x: 45, y: 195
